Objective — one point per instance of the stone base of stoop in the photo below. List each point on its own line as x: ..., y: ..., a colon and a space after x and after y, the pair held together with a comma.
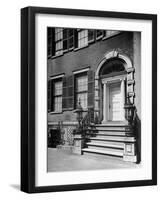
x: 128, y: 158
x: 66, y: 148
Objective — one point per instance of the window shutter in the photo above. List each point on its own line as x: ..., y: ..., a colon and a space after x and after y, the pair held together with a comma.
x: 70, y: 81
x: 65, y: 95
x: 52, y: 94
x: 49, y: 44
x: 49, y: 95
x: 75, y: 38
x: 91, y: 89
x: 53, y: 42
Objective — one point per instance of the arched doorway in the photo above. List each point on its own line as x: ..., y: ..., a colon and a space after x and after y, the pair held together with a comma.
x: 113, y: 83
x: 112, y: 76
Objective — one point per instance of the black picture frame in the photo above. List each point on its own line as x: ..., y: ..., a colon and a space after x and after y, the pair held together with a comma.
x: 28, y: 98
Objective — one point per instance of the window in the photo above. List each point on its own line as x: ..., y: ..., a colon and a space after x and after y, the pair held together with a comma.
x: 68, y: 39
x: 58, y: 41
x: 64, y: 39
x: 91, y: 35
x: 82, y: 38
x: 57, y: 96
x: 99, y: 34
x: 81, y: 90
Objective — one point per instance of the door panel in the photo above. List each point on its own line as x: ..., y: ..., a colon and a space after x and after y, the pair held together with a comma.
x: 115, y: 102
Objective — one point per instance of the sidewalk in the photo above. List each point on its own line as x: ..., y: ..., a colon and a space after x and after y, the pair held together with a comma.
x: 59, y: 160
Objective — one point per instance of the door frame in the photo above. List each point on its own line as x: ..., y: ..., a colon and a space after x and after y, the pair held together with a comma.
x: 106, y: 82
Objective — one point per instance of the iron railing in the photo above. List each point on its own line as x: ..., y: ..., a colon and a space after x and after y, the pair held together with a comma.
x: 88, y: 119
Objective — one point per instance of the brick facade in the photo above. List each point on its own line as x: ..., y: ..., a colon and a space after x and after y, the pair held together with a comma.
x: 126, y: 43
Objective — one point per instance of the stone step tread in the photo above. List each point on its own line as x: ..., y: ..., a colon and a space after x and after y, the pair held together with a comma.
x: 112, y: 125
x: 110, y: 133
x: 114, y: 145
x: 116, y: 129
x: 104, y: 152
x: 114, y: 138
x: 121, y: 143
x: 112, y: 130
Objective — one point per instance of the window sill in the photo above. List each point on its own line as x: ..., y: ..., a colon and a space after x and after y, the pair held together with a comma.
x: 78, y: 48
x: 106, y: 37
x: 65, y: 51
x: 68, y: 50
x: 91, y: 41
x: 49, y: 56
x: 99, y: 38
x: 67, y: 109
x: 56, y: 56
x: 54, y: 112
x: 84, y: 110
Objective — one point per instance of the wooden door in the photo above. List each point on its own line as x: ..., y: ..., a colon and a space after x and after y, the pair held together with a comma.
x: 115, y: 100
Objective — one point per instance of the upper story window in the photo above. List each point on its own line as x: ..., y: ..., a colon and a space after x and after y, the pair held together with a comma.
x: 99, y: 34
x: 58, y: 41
x: 91, y: 35
x: 82, y: 38
x: 61, y: 40
x: 68, y: 39
x: 81, y: 90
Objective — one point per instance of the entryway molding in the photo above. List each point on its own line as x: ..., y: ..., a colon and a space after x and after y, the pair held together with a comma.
x: 114, y: 54
x: 130, y: 77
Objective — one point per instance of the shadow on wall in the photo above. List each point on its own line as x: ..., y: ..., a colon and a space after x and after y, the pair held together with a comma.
x: 15, y: 186
x: 137, y: 131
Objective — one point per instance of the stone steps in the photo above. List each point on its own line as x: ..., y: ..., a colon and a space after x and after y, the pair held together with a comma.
x: 106, y: 145
x: 112, y: 133
x: 109, y: 139
x: 113, y: 138
x: 112, y: 128
x: 112, y: 152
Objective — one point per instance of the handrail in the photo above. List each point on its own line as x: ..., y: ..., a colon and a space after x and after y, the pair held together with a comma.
x: 88, y: 119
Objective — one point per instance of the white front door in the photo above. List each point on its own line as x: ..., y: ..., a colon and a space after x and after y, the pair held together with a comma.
x: 113, y: 99
x: 115, y: 102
